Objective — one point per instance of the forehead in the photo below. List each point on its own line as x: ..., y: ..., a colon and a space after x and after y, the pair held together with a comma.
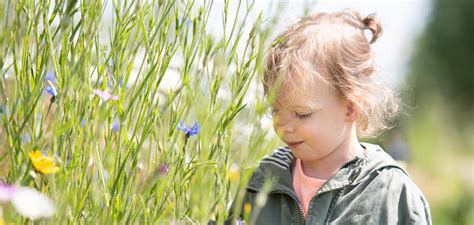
x: 296, y: 95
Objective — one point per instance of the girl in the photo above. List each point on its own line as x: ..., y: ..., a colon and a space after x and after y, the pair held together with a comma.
x: 319, y: 79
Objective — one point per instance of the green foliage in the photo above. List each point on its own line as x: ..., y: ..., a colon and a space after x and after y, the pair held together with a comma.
x: 124, y: 161
x: 443, y: 60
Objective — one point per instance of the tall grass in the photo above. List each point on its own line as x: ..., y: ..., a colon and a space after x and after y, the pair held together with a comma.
x: 124, y: 161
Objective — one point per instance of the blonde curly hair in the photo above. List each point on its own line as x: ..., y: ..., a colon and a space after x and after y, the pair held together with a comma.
x: 332, y: 47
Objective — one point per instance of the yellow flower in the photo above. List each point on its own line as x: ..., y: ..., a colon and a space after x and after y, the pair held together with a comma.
x: 247, y: 208
x: 233, y: 173
x: 43, y: 164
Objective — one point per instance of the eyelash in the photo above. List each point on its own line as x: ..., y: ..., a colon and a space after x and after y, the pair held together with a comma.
x: 304, y: 116
x: 299, y: 116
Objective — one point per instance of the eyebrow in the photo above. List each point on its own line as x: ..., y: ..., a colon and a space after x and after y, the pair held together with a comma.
x: 313, y: 107
x: 305, y: 107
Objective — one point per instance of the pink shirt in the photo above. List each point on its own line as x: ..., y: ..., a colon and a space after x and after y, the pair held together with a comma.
x: 305, y: 187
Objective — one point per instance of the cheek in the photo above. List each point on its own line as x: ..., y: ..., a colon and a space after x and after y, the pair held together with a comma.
x: 310, y: 130
x: 319, y: 129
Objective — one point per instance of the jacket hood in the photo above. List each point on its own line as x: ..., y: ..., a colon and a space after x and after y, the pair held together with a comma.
x: 278, y: 169
x: 375, y: 159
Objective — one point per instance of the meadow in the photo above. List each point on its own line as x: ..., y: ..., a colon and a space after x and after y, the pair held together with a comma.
x: 140, y: 112
x: 150, y: 119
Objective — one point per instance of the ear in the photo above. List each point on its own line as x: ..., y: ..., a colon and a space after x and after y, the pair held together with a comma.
x: 352, y: 112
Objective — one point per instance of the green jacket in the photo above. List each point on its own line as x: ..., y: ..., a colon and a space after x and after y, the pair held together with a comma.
x: 371, y: 189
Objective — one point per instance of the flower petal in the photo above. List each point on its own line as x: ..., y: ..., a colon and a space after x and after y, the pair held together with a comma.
x: 32, y: 204
x: 6, y: 192
x: 105, y: 96
x: 115, y: 125
x: 194, y: 130
x: 182, y: 126
x: 50, y: 76
x: 43, y: 164
x: 51, y: 91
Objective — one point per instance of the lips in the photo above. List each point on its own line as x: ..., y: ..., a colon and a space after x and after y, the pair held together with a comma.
x: 294, y: 144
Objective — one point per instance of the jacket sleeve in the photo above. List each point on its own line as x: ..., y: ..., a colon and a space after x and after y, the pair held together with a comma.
x: 404, y: 203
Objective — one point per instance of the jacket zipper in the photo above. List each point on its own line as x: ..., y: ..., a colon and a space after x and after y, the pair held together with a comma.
x: 340, y: 192
x: 300, y: 206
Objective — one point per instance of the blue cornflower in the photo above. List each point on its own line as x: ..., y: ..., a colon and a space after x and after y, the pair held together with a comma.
x: 115, y: 125
x: 50, y: 76
x: 52, y: 91
x: 190, y: 131
x: 83, y: 122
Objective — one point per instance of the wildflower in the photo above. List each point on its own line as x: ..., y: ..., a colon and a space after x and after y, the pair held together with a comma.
x: 163, y: 170
x: 51, y: 91
x: 50, y: 76
x: 6, y: 193
x: 190, y: 131
x: 115, y: 125
x: 43, y: 164
x: 83, y: 123
x: 27, y: 201
x: 240, y: 222
x: 247, y: 208
x: 234, y: 174
x: 105, y: 96
x: 32, y: 204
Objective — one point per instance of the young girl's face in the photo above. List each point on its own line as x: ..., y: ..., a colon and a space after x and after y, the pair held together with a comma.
x: 312, y: 125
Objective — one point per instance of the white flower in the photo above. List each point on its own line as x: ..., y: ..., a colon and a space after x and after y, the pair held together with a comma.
x: 32, y: 204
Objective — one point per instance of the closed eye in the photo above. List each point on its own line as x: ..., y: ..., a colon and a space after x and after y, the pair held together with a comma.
x: 304, y: 116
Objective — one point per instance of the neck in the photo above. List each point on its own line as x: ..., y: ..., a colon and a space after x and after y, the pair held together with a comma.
x: 326, y: 167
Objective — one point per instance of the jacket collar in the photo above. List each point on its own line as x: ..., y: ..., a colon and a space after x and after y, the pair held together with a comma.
x: 278, y: 169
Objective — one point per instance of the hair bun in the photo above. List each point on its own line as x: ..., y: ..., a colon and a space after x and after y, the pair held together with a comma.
x: 372, y: 23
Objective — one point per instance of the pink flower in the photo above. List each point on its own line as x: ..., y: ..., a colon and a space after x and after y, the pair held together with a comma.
x: 104, y: 95
x: 6, y: 192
